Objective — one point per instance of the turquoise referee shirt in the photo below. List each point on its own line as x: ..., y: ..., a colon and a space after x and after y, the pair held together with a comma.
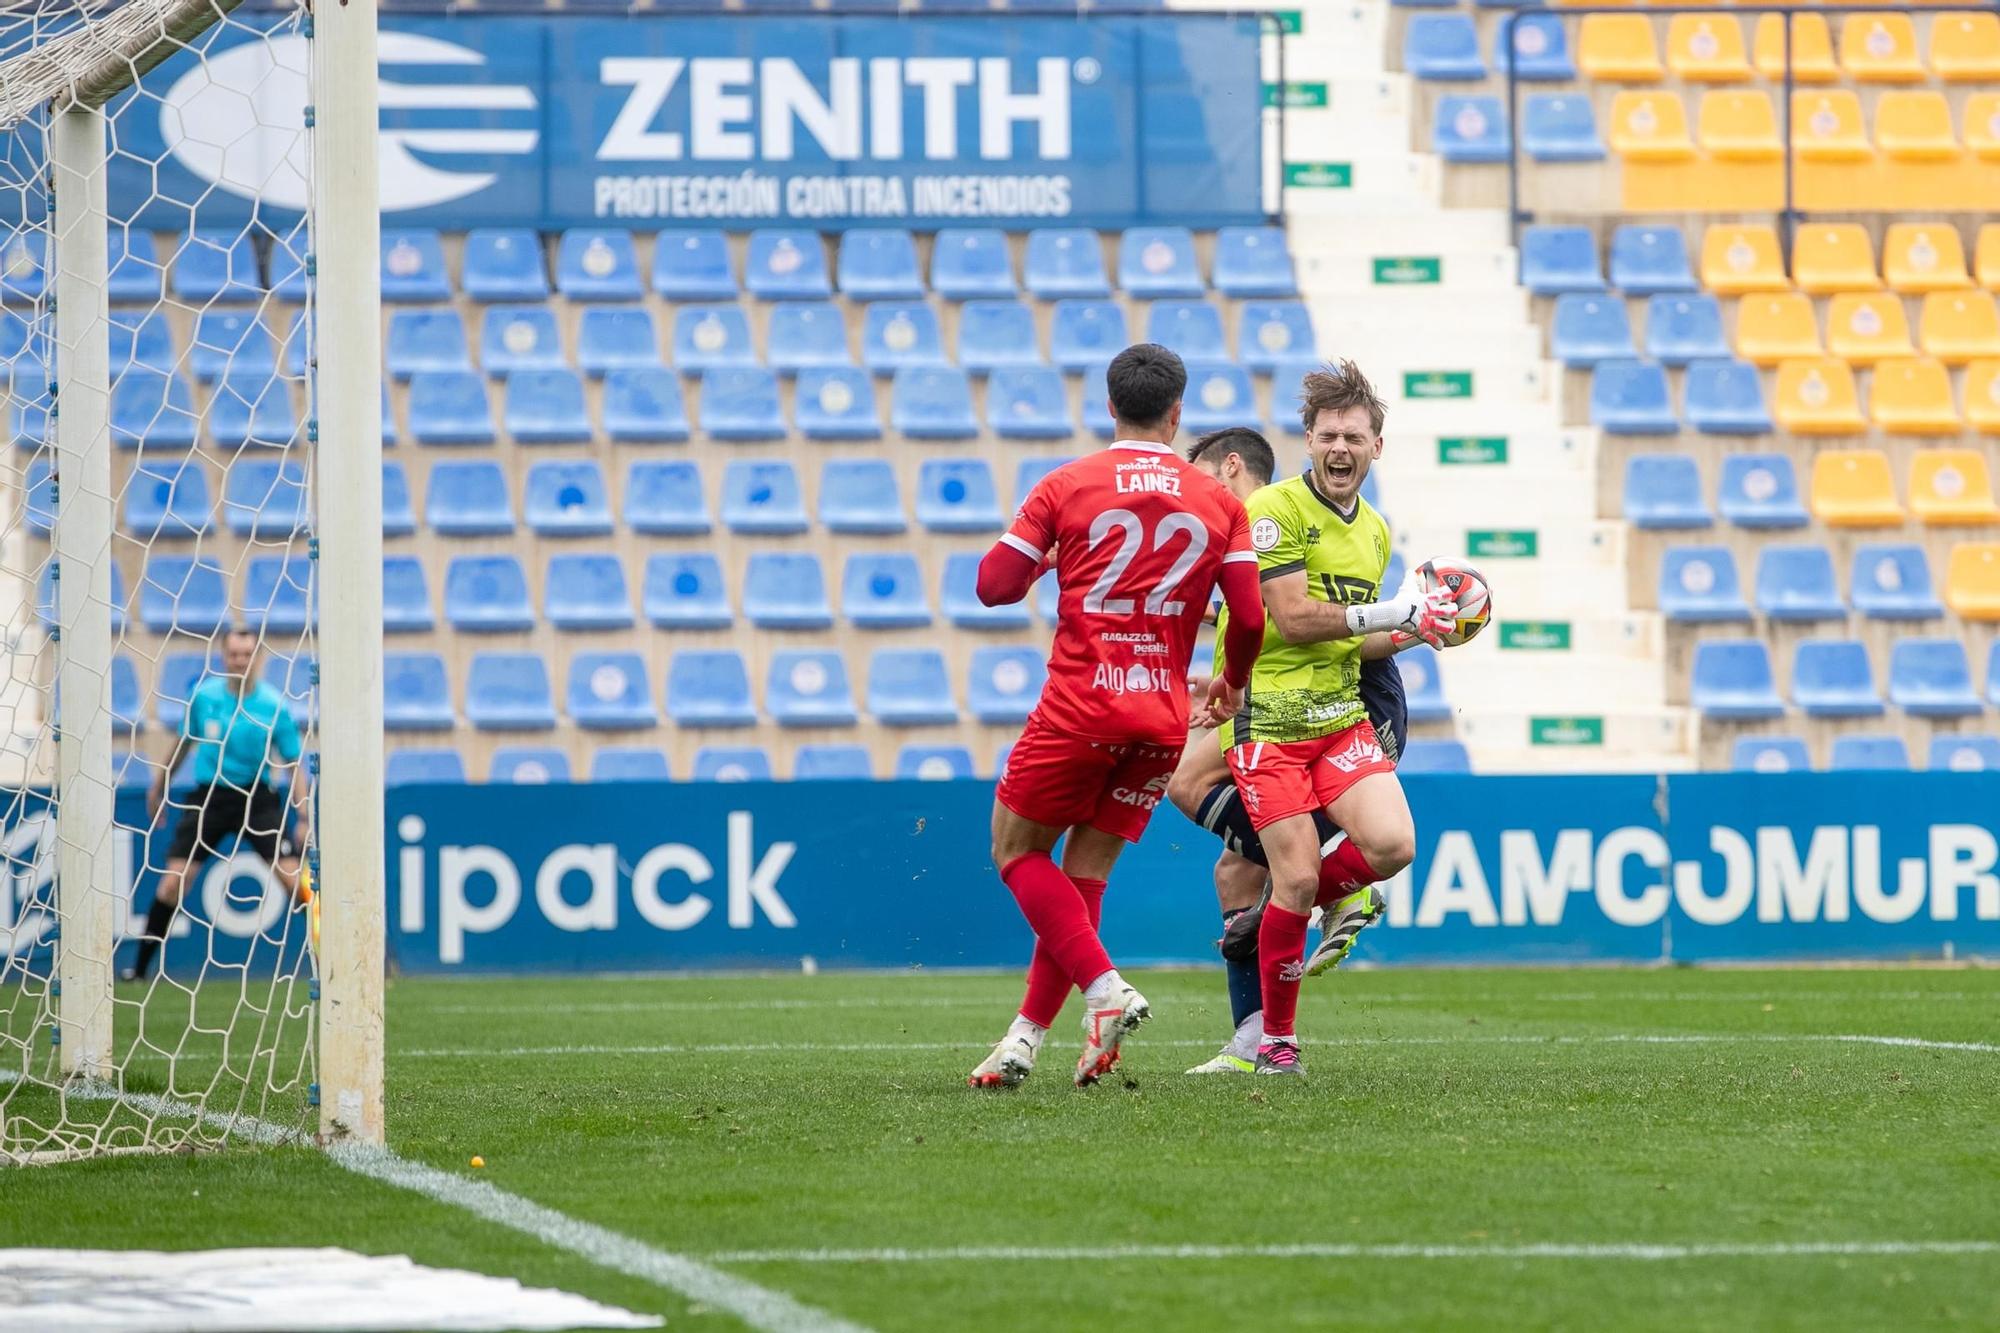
x: 234, y: 736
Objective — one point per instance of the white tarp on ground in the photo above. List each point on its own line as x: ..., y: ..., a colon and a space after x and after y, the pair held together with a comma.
x: 273, y: 1291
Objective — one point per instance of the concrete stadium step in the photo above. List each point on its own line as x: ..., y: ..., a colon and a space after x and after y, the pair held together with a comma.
x: 1403, y: 376
x: 1329, y: 181
x: 1501, y: 542
x: 1398, y: 274
x: 1432, y: 317
x: 1500, y: 681
x: 1473, y: 460
x: 1566, y: 737
x: 1432, y: 230
x: 1498, y: 494
x: 1345, y: 108
x: 1482, y: 417
x: 1567, y: 761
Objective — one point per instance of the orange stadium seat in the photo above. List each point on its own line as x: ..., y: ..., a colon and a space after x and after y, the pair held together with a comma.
x: 1834, y: 257
x: 1912, y: 396
x: 1776, y: 326
x: 1986, y: 257
x: 1744, y: 257
x: 1651, y: 126
x: 1816, y: 397
x: 1812, y: 49
x: 1972, y: 580
x: 1965, y: 46
x: 1982, y: 396
x: 1924, y: 257
x: 1880, y: 48
x: 1957, y: 327
x: 1982, y: 124
x: 1951, y: 486
x: 1851, y: 488
x: 1618, y: 48
x: 1827, y: 126
x: 1865, y: 327
x: 1915, y: 126
x: 1739, y: 125
x: 1707, y: 48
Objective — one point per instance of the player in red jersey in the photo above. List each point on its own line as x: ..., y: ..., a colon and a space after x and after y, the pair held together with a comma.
x: 1139, y: 539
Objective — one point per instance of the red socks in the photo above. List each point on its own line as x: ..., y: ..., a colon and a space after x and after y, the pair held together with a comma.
x: 1281, y: 950
x: 1342, y: 873
x: 1048, y: 984
x: 1054, y: 906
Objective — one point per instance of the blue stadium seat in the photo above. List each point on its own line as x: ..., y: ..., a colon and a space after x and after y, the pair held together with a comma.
x: 1932, y: 678
x: 1028, y: 403
x: 254, y: 410
x: 154, y: 409
x: 1423, y: 688
x: 879, y: 264
x: 231, y: 342
x: 1760, y: 491
x: 134, y: 267
x: 762, y: 497
x: 685, y: 592
x: 786, y: 265
x: 908, y: 687
x: 509, y: 692
x: 1960, y: 753
x: 1560, y: 127
x: 860, y: 495
x: 1541, y: 49
x: 786, y: 590
x: 504, y: 264
x: 1191, y: 328
x: 996, y: 334
x: 957, y: 495
x: 519, y: 337
x: 586, y: 591
x: 741, y: 404
x: 1630, y: 397
x: 663, y: 498
x: 45, y: 597
x: 1218, y: 395
x: 1470, y: 129
x: 421, y: 340
x: 413, y: 266
x: 1833, y: 678
x: 1892, y: 581
x: 731, y: 763
x: 1797, y: 583
x: 1869, y: 753
x: 709, y: 688
x: 693, y: 266
x: 546, y: 407
x: 1444, y: 755
x: 1002, y: 684
x: 24, y: 266
x: 970, y: 262
x: 806, y: 334
x: 163, y: 498
x: 898, y: 334
x: 1253, y: 262
x: 182, y: 593
x: 610, y: 337
x: 468, y: 498
x: 1086, y: 333
x: 528, y: 765
x: 1158, y: 262
x: 1732, y: 681
x: 154, y: 493
x: 836, y: 404
x: 1555, y: 260
x: 1664, y: 491
x: 1682, y: 327
x: 932, y: 403
x: 406, y: 595
x: 830, y: 763
x: 288, y: 271
x: 408, y: 768
x: 1028, y: 474
x: 142, y: 339
x: 179, y: 674
x: 1442, y: 46
x: 567, y: 499
x: 933, y: 763
x: 611, y: 691
x: 1699, y: 584
x: 1275, y: 331
x: 708, y: 336
x: 1770, y: 754
x: 215, y: 266
x: 809, y: 689
x: 958, y: 595
x: 276, y: 589
x: 23, y: 350
x: 1590, y: 327
x: 644, y: 407
x: 416, y: 693
x: 629, y: 763
x: 1646, y: 260
x: 597, y: 265
x: 487, y: 594
x: 883, y: 591
x: 1065, y: 262
x: 448, y: 407
x: 1726, y: 397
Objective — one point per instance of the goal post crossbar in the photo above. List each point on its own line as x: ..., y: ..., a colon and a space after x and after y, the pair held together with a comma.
x: 95, y: 61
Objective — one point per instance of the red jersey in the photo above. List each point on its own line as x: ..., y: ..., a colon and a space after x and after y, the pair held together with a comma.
x: 1140, y: 537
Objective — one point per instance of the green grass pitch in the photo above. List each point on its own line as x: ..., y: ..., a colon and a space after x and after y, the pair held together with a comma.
x: 1467, y: 1109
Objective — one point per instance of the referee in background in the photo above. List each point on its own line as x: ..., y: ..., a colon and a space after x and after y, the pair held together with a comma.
x: 246, y: 750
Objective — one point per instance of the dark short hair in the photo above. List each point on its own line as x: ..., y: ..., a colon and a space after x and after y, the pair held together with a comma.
x: 1246, y: 444
x: 1337, y: 388
x: 242, y: 632
x: 1145, y: 381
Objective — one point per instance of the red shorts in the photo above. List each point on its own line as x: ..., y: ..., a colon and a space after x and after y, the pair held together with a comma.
x: 1063, y: 781
x: 1279, y: 779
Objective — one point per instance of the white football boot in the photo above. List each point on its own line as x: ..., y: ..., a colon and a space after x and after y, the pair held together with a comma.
x: 1007, y: 1065
x: 1104, y: 1028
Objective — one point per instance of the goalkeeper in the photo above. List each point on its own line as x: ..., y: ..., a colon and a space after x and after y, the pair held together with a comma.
x: 246, y: 747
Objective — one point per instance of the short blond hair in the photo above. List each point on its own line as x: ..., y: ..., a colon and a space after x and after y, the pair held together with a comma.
x: 1337, y: 388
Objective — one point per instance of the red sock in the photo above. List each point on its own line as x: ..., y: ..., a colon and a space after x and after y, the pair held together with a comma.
x: 1048, y: 984
x: 1343, y: 872
x: 1281, y: 951
x: 1055, y: 911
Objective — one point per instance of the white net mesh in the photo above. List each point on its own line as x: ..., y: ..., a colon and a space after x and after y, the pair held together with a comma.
x: 209, y: 291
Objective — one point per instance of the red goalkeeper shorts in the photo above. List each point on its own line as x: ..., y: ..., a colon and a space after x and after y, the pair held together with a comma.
x: 1063, y: 781
x: 1279, y: 779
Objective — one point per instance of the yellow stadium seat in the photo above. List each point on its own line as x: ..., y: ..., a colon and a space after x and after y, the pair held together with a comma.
x: 1650, y: 126
x: 1982, y: 124
x: 1619, y: 48
x: 1851, y: 488
x: 1912, y: 396
x: 1951, y: 486
x: 1865, y: 327
x: 1924, y: 257
x: 1834, y: 257
x: 1744, y: 257
x: 1740, y: 125
x: 1880, y: 48
x: 1812, y: 49
x: 1957, y: 327
x: 1816, y: 397
x: 1982, y: 396
x: 1972, y: 580
x: 1986, y: 257
x: 1827, y: 126
x: 1965, y: 46
x: 1707, y: 48
x: 1776, y: 326
x: 1915, y: 126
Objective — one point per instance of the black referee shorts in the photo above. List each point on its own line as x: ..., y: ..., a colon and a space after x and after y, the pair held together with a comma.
x: 220, y: 813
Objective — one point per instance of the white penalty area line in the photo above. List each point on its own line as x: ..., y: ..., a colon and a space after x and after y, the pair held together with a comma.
x: 1101, y: 1253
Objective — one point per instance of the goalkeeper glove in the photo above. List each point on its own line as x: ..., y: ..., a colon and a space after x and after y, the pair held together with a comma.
x: 1426, y: 616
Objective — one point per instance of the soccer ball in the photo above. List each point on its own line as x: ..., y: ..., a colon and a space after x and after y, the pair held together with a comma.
x: 1475, y: 598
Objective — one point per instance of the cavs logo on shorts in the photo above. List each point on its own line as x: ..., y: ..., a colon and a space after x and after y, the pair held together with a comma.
x: 1357, y: 754
x: 1147, y: 797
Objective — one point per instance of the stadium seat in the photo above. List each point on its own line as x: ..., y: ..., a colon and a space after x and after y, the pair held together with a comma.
x: 522, y: 765
x: 1618, y: 48
x: 1965, y: 48
x: 1423, y: 687
x: 215, y: 266
x: 933, y: 763
x: 586, y: 592
x: 406, y: 596
x: 1982, y: 133
x: 1982, y: 395
x: 1541, y: 48
x: 1629, y: 397
x: 1770, y: 754
x: 264, y: 498
x: 276, y: 594
x: 1816, y: 396
x: 446, y: 407
x: 900, y: 334
x: 1253, y: 262
x: 133, y: 265
x: 487, y: 594
x: 644, y: 407
x: 233, y: 342
x: 1733, y: 125
x: 786, y: 265
x: 1191, y: 328
x: 567, y: 499
x: 1796, y: 583
x: 1471, y: 130
x: 1065, y: 262
x: 399, y: 517
x: 827, y: 763
x: 1699, y: 584
x: 709, y: 688
x: 629, y: 763
x: 597, y: 265
x: 957, y: 495
x: 1972, y: 580
x: 1158, y: 263
x: 1932, y: 678
x: 1650, y: 127
x: 45, y: 597
x: 1271, y: 332
x: 1776, y: 326
x: 413, y: 266
x: 610, y: 337
x: 806, y: 334
x: 1892, y: 581
x: 151, y: 494
x: 971, y: 262
x: 762, y: 497
x: 1028, y: 403
x: 1663, y: 491
x: 908, y: 687
x: 1811, y: 49
x: 1959, y: 327
x: 883, y: 591
x: 879, y: 264
x: 181, y: 594
x: 731, y: 763
x: 932, y: 403
x: 860, y: 495
x: 1834, y: 257
x: 1086, y: 333
x: 1760, y: 491
x: 1851, y: 488
x: 24, y: 265
x: 1956, y: 752
x: 1648, y: 261
x: 693, y: 266
x: 416, y: 693
x: 1880, y: 48
x: 153, y: 408
x: 1924, y: 257
x: 1029, y: 472
x: 809, y: 689
x: 164, y: 498
x: 258, y: 410
x: 1589, y: 327
x: 1726, y: 397
x: 1555, y: 260
x: 664, y: 498
x: 958, y: 596
x: 1865, y: 327
x: 707, y: 337
x: 1827, y: 126
x: 175, y: 684
x: 1707, y: 48
x: 504, y: 265
x: 509, y: 692
x: 468, y: 498
x: 1003, y: 684
x: 996, y: 333
x: 519, y: 337
x: 407, y: 767
x: 1833, y: 678
x: 786, y: 590
x: 1442, y: 46
x: 1219, y: 395
x: 1442, y: 755
x: 1742, y: 257
x: 1915, y: 127
x: 1950, y: 486
x: 546, y: 407
x: 685, y: 592
x: 1868, y: 753
x: 1732, y: 681
x: 1912, y: 396
x: 144, y: 340
x: 741, y: 403
x: 420, y: 340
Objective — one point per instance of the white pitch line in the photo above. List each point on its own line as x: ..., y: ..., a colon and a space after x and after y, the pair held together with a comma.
x: 1098, y: 1253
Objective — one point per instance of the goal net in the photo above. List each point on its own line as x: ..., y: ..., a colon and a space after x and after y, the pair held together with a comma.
x: 160, y: 576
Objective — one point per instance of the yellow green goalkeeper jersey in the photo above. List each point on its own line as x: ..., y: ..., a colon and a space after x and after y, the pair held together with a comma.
x: 1301, y: 691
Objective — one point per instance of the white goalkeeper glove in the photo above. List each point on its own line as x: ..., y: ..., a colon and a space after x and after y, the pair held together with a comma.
x: 1428, y: 616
